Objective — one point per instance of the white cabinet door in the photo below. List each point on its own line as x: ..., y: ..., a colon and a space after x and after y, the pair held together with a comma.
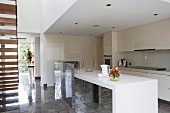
x: 164, y: 93
x: 164, y: 31
x: 107, y: 49
x: 125, y: 41
x: 164, y: 81
x: 150, y: 36
x: 164, y: 87
x: 107, y: 40
x: 144, y: 37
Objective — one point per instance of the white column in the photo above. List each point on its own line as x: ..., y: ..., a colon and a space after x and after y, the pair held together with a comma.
x: 37, y: 56
x: 43, y: 63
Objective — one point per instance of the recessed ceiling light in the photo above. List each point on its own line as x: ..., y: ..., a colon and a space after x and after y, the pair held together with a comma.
x: 108, y: 5
x: 76, y: 23
x: 96, y: 25
x: 168, y: 1
x: 155, y: 14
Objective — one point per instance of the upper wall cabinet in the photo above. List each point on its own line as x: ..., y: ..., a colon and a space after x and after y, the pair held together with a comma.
x: 163, y: 42
x: 151, y: 36
x: 125, y: 41
x: 144, y: 37
x: 107, y: 43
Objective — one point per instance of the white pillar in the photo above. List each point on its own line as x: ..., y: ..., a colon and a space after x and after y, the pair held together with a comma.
x: 43, y: 63
x: 37, y: 56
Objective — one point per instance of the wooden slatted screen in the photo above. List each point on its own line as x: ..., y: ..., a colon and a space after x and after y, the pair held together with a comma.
x: 9, y: 78
x: 7, y: 21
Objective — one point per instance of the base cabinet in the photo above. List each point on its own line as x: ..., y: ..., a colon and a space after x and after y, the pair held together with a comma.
x: 164, y: 93
x: 163, y: 81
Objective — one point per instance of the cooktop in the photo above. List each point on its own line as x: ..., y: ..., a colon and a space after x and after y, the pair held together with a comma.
x: 148, y: 68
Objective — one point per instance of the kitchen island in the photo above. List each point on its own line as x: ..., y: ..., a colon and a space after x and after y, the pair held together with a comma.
x: 130, y: 94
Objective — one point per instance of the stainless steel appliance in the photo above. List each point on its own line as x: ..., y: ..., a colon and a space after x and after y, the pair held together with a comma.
x: 108, y: 60
x: 149, y: 68
x: 122, y: 63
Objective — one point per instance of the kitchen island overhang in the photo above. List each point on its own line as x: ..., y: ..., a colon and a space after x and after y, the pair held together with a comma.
x: 130, y: 94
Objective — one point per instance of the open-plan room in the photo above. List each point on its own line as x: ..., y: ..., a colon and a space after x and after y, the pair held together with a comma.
x: 84, y: 56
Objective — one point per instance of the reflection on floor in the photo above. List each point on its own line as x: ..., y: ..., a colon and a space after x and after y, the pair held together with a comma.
x: 33, y: 99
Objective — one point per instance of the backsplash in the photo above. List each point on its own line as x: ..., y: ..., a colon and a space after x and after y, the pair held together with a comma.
x: 157, y: 58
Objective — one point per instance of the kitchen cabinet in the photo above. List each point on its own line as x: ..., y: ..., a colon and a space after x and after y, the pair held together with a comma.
x: 107, y: 43
x: 164, y: 87
x: 107, y: 49
x: 163, y: 41
x: 163, y: 81
x: 164, y: 93
x: 151, y: 36
x: 144, y: 37
x: 125, y: 41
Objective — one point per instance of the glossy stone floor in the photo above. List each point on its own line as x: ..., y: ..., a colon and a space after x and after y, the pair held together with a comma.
x: 33, y: 99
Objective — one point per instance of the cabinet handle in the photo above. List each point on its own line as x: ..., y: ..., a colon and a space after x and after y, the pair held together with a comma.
x: 168, y: 75
x: 168, y: 88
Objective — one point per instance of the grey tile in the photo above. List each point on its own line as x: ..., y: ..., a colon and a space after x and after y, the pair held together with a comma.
x: 43, y: 101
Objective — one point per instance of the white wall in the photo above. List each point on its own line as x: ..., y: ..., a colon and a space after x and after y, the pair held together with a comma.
x: 53, y: 9
x: 37, y: 56
x: 29, y: 16
x: 64, y: 47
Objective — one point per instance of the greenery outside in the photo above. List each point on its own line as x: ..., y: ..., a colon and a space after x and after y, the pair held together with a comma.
x: 23, y: 49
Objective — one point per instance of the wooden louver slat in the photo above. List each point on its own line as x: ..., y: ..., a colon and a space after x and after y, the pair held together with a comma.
x: 8, y: 57
x: 2, y: 41
x: 6, y: 86
x: 8, y: 49
x: 8, y: 78
x: 9, y: 69
x: 9, y: 73
x: 7, y: 32
x: 7, y: 9
x: 7, y: 21
x: 8, y: 63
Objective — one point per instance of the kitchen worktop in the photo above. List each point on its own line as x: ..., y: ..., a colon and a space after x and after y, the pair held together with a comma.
x: 135, y: 94
x: 147, y: 70
x: 106, y: 82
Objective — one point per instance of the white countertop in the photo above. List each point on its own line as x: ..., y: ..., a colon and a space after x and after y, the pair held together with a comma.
x: 166, y: 72
x: 106, y: 82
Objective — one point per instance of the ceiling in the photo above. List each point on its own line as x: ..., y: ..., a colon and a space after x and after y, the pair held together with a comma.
x: 122, y: 14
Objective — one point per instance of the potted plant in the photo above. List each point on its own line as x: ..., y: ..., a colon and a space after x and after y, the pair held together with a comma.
x: 114, y: 74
